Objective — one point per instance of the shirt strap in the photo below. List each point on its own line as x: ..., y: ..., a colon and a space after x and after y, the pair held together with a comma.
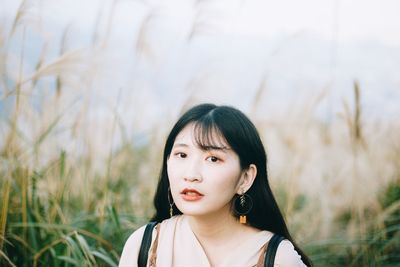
x: 271, y: 250
x: 145, y: 245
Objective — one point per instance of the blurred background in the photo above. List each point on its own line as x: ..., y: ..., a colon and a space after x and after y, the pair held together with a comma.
x: 90, y: 89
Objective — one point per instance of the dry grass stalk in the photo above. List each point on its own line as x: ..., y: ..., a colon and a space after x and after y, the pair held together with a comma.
x: 49, y: 246
x: 142, y: 46
x: 201, y: 25
x: 21, y: 13
x: 69, y: 59
x: 4, y: 210
x: 259, y: 95
x: 95, y: 35
x: 62, y: 52
x: 39, y: 64
x: 3, y: 60
x: 22, y: 175
x: 109, y: 23
x: 10, y: 146
x: 3, y: 255
x: 357, y: 132
x: 354, y: 120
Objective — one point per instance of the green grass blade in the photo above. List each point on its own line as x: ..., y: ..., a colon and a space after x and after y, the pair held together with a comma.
x: 69, y: 260
x: 105, y: 258
x: 85, y: 248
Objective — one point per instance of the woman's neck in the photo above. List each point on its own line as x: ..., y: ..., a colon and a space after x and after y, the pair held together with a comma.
x: 212, y: 225
x: 217, y: 228
x: 218, y: 234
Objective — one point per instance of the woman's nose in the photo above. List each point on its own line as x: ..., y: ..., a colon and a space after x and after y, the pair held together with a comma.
x: 193, y: 178
x: 193, y: 173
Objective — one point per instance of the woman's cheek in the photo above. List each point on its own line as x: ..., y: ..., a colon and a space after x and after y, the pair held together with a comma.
x: 169, y: 168
x: 173, y: 176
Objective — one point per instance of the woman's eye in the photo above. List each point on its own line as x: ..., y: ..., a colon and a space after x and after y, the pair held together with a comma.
x: 180, y: 155
x: 213, y: 159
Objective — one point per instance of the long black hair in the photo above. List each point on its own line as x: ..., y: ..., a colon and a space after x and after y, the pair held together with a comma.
x: 242, y: 136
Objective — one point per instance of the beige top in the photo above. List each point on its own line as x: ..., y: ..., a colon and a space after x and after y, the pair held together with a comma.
x: 178, y: 247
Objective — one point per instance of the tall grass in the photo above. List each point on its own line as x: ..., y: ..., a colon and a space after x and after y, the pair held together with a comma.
x: 65, y: 202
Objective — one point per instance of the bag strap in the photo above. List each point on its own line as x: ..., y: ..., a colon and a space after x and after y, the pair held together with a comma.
x: 145, y: 245
x: 271, y: 250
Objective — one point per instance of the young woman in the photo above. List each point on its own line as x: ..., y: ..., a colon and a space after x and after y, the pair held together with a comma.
x: 214, y: 206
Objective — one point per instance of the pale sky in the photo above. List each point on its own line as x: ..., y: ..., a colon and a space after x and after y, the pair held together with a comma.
x: 233, y: 43
x: 346, y: 20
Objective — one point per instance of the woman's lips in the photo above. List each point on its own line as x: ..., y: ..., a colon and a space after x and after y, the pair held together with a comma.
x: 191, y: 195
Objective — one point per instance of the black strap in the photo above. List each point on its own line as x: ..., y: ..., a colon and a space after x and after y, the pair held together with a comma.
x: 146, y: 243
x: 271, y: 250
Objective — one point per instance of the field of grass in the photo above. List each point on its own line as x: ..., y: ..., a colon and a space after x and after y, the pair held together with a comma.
x: 72, y: 189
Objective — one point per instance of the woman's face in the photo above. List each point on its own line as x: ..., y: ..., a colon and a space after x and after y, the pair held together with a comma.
x: 202, y: 181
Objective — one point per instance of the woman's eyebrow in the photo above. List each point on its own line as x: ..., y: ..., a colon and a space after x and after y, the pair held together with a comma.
x: 205, y: 147
x: 180, y: 145
x: 221, y: 148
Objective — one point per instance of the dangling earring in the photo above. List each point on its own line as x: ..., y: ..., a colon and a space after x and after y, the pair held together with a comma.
x: 171, y: 210
x: 243, y: 218
x: 242, y: 206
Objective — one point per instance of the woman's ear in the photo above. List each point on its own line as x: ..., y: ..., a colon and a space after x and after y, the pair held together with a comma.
x: 247, y: 178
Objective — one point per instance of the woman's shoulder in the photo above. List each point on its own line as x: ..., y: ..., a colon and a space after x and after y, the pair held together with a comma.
x: 136, y: 237
x: 131, y: 248
x: 132, y: 245
x: 286, y: 255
